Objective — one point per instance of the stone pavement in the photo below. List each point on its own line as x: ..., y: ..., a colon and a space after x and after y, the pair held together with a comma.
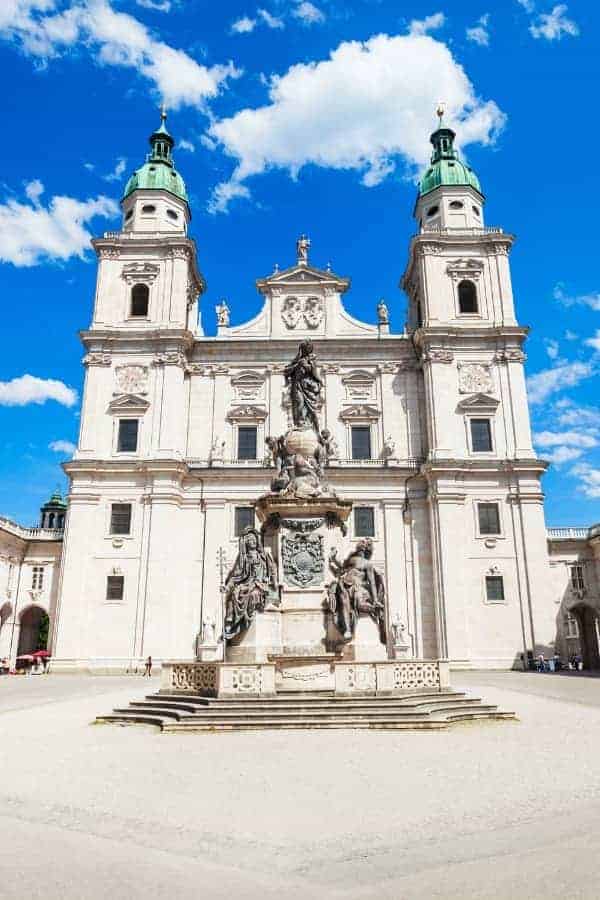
x: 488, y: 810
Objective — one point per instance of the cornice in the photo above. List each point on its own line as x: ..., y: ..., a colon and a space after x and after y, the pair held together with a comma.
x: 119, y: 244
x: 492, y: 238
x: 102, y: 340
x: 504, y: 466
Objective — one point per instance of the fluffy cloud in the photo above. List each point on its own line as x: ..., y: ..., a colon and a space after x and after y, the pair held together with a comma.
x: 552, y: 348
x: 429, y: 23
x: 479, y: 33
x: 567, y: 374
x: 62, y: 447
x: 270, y: 20
x: 594, y: 342
x: 31, y: 233
x: 157, y: 5
x: 114, y: 39
x: 591, y: 300
x: 589, y: 479
x: 363, y: 109
x: 186, y: 145
x: 563, y: 455
x: 245, y: 25
x: 29, y: 389
x: 566, y: 438
x: 118, y: 171
x: 308, y: 13
x: 567, y: 413
x: 553, y: 25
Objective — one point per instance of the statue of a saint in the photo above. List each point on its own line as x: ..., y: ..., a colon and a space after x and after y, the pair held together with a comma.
x: 302, y: 247
x: 305, y: 387
x: 383, y: 315
x: 223, y: 314
x: 358, y: 590
x: 250, y: 586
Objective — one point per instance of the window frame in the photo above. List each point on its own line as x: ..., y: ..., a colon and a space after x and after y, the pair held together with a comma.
x: 234, y: 527
x: 118, y: 450
x: 475, y: 312
x: 371, y: 509
x: 139, y: 316
x: 113, y: 600
x: 479, y: 502
x: 111, y: 530
x: 367, y: 428
x: 239, y: 428
x: 577, y: 577
x: 490, y: 420
x: 37, y: 577
x: 494, y: 576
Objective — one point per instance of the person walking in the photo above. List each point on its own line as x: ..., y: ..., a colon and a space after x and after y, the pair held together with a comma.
x: 148, y: 667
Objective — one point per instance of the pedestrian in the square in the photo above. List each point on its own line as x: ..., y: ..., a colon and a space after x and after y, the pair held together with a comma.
x: 148, y: 667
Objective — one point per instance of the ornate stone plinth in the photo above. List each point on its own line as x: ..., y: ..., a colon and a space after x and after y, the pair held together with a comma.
x: 261, y: 640
x: 366, y: 644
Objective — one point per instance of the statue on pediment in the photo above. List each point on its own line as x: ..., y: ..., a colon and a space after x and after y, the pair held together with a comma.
x: 223, y: 314
x: 302, y: 248
x: 383, y: 314
x: 250, y: 586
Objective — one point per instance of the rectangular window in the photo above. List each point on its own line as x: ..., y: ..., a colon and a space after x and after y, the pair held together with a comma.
x: 364, y: 521
x: 37, y: 578
x: 489, y: 518
x: 120, y: 518
x: 115, y: 588
x: 577, y: 580
x: 128, y: 435
x: 244, y: 518
x: 481, y: 436
x: 247, y: 441
x: 361, y: 442
x: 571, y: 626
x: 494, y: 588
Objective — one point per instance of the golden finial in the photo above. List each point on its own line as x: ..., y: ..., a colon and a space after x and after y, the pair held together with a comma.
x: 440, y: 113
x: 163, y: 112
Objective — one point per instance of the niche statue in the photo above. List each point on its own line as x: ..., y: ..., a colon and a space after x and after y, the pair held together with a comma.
x: 357, y: 590
x: 250, y: 586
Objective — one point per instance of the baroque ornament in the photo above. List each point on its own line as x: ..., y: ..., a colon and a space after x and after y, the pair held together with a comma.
x: 475, y: 379
x: 131, y: 380
x: 307, y: 309
x: 303, y: 560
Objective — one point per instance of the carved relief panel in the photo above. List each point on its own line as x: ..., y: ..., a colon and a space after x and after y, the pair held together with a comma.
x: 475, y: 378
x: 304, y: 311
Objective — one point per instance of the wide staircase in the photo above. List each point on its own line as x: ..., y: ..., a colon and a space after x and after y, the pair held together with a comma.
x: 193, y: 713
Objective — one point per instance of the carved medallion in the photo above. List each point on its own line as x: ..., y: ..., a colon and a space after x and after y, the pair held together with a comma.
x: 475, y: 379
x: 309, y: 309
x: 131, y: 380
x: 303, y: 560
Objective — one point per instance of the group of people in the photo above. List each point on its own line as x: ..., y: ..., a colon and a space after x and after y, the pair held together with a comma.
x: 555, y: 663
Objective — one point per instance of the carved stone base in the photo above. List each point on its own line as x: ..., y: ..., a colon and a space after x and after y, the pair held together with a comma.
x: 305, y: 673
x: 261, y: 640
x: 401, y: 651
x: 209, y: 652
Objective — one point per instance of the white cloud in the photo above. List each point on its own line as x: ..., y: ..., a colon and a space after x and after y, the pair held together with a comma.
x: 527, y: 5
x: 553, y: 25
x: 157, y: 5
x: 270, y: 20
x: 30, y: 234
x: 117, y: 172
x: 552, y: 348
x: 245, y: 25
x: 29, y: 389
x: 186, y: 145
x: 567, y: 374
x: 479, y: 33
x: 115, y: 39
x: 224, y: 193
x: 589, y: 479
x: 364, y: 108
x: 562, y: 455
x: 62, y: 447
x: 594, y: 341
x: 566, y: 438
x: 429, y: 23
x: 34, y: 190
x: 308, y: 13
x: 571, y: 336
x: 89, y: 166
x: 591, y: 300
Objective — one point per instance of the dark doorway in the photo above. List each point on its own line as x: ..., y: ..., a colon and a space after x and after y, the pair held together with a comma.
x: 34, y: 630
x: 587, y: 619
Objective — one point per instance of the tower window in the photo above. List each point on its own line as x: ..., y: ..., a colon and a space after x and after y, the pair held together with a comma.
x: 172, y: 214
x: 129, y: 215
x: 489, y: 518
x: 456, y: 204
x: 115, y: 588
x: 577, y: 579
x: 148, y: 208
x: 128, y: 436
x: 494, y: 588
x: 140, y: 295
x: 120, y: 518
x: 476, y: 211
x: 37, y: 578
x: 247, y: 441
x: 467, y: 297
x: 481, y: 436
x: 432, y: 211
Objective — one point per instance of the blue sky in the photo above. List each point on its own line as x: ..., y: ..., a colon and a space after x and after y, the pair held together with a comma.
x: 295, y: 116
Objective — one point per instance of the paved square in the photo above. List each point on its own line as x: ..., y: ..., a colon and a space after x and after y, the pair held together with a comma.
x: 489, y: 810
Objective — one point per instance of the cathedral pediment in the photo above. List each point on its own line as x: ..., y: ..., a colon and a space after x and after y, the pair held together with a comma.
x: 303, y: 276
x: 128, y: 404
x: 479, y: 403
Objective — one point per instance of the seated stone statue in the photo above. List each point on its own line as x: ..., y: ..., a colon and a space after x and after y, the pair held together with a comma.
x: 250, y: 586
x: 358, y: 590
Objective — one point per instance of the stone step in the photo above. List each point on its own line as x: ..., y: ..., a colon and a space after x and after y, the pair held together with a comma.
x: 311, y: 700
x: 322, y: 715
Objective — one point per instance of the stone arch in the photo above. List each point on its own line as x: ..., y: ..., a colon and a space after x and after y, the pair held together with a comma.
x: 589, y: 634
x: 30, y: 621
x: 5, y: 611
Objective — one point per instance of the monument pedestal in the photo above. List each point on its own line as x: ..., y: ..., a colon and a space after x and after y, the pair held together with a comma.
x: 261, y: 640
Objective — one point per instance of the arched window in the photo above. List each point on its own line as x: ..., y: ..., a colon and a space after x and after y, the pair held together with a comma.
x: 432, y: 211
x: 456, y: 204
x: 172, y: 214
x: 148, y: 208
x: 140, y: 295
x: 51, y: 520
x: 467, y: 297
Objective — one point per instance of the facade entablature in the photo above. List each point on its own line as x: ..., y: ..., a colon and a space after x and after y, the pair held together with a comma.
x: 454, y: 242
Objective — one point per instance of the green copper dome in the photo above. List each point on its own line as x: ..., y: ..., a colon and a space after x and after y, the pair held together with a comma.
x: 55, y: 501
x: 446, y: 167
x: 158, y: 172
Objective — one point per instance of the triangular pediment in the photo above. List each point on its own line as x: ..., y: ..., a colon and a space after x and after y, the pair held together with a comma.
x: 482, y: 402
x: 128, y: 403
x: 303, y: 276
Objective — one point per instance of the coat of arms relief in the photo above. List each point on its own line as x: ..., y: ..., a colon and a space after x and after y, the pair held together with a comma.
x: 307, y: 310
x: 303, y: 559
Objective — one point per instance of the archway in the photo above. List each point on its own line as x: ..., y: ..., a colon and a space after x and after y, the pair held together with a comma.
x: 34, y: 630
x: 589, y: 634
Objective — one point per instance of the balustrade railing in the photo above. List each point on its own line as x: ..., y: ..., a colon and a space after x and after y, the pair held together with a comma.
x: 568, y: 533
x: 413, y: 462
x: 44, y: 534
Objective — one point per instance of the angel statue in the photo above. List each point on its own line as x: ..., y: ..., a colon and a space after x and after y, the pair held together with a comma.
x: 358, y: 590
x: 305, y: 387
x: 250, y: 586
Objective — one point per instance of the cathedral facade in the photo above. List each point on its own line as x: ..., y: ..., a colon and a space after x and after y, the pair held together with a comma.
x: 428, y: 437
